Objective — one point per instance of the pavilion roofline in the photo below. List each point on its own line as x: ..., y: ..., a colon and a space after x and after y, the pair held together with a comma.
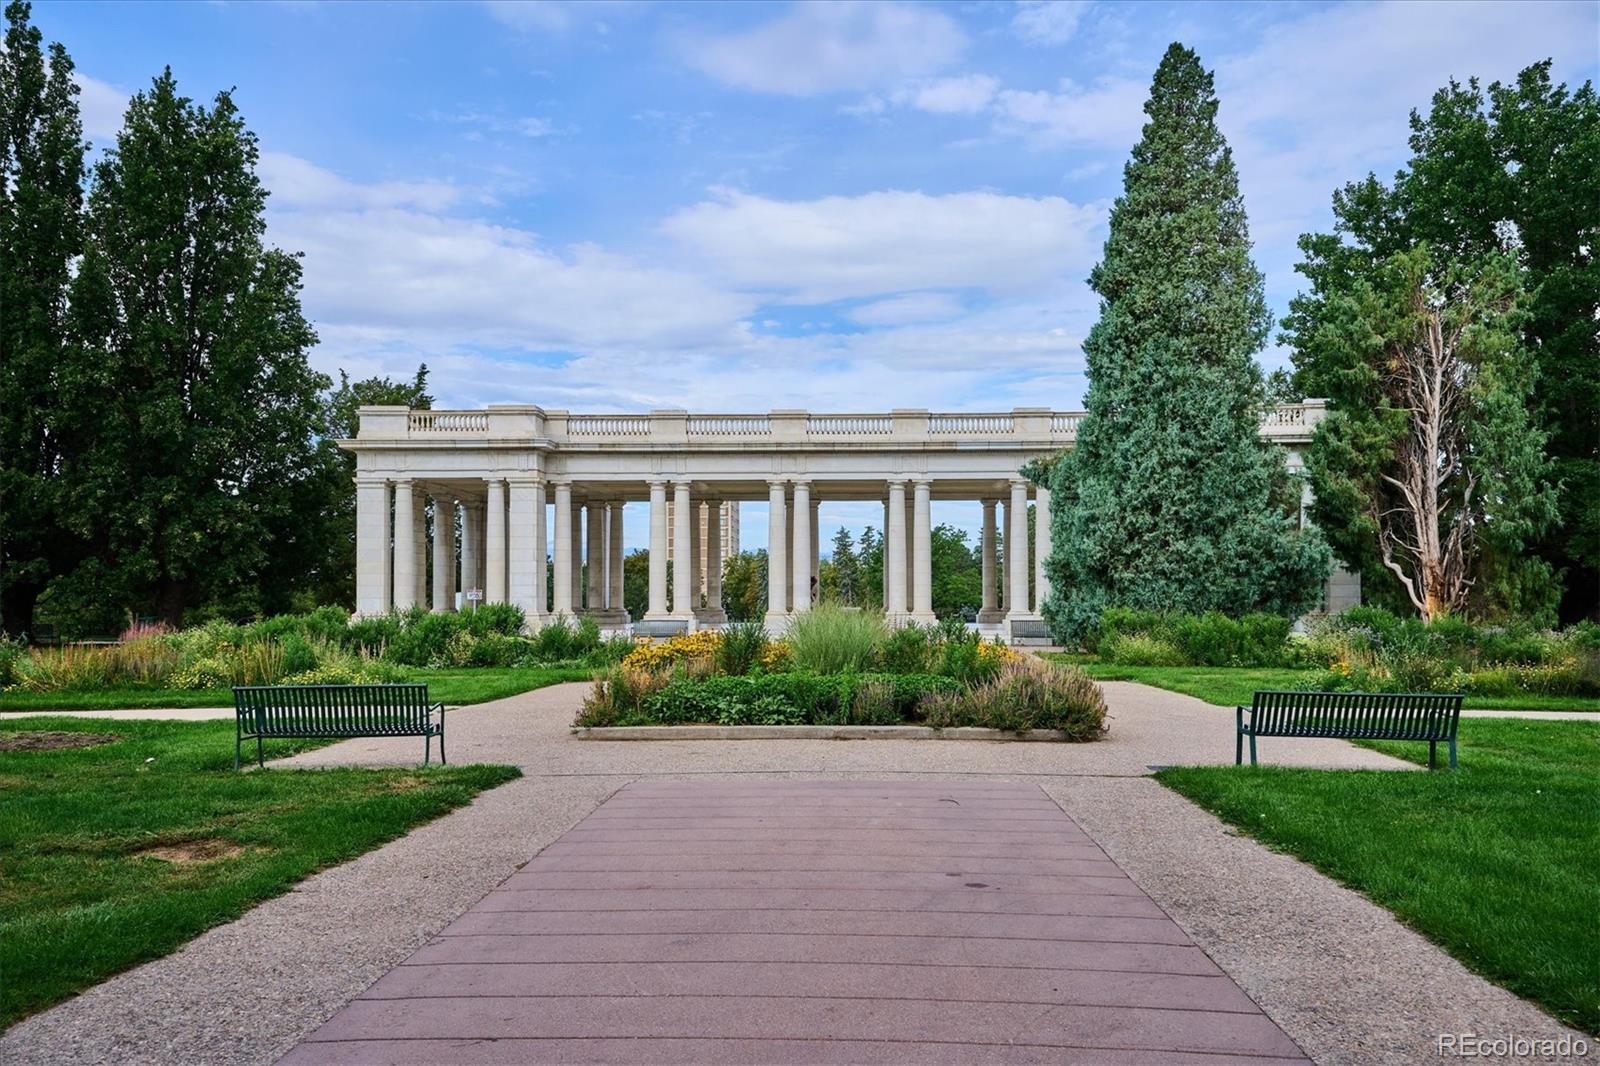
x: 1034, y: 426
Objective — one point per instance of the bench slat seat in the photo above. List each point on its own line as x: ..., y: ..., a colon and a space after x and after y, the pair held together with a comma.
x: 341, y: 711
x: 1430, y: 717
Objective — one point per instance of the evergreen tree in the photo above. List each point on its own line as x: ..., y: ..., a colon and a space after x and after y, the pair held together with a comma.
x: 846, y: 568
x: 41, y: 234
x: 744, y: 586
x: 869, y: 563
x: 193, y: 371
x: 1171, y: 500
x: 1517, y: 172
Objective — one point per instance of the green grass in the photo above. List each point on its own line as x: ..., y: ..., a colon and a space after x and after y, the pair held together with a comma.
x: 79, y: 899
x: 1498, y: 862
x: 457, y: 686
x: 1230, y: 686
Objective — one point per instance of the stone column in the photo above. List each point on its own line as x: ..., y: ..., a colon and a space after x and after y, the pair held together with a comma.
x: 471, y: 551
x: 777, y: 558
x: 714, y: 612
x: 922, y: 582
x: 561, y: 599
x: 816, y: 544
x: 577, y: 557
x: 895, y: 542
x: 1041, y: 547
x: 1003, y: 547
x: 682, y: 561
x: 494, y: 538
x: 883, y: 541
x: 519, y: 549
x: 444, y: 554
x: 595, y: 533
x: 372, y: 546
x: 1017, y: 550
x: 658, y: 551
x: 405, y: 546
x: 541, y: 553
x: 420, y: 584
x: 912, y: 548
x: 617, y: 568
x: 801, y: 591
x: 991, y: 609
x: 696, y: 569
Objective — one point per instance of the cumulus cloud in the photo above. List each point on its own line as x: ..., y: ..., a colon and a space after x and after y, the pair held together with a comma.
x: 101, y: 106
x: 297, y: 183
x: 908, y: 308
x: 827, y: 47
x: 1107, y: 114
x: 1048, y: 22
x: 838, y: 247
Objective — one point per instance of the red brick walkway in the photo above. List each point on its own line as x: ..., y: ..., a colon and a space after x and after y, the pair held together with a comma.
x: 810, y: 921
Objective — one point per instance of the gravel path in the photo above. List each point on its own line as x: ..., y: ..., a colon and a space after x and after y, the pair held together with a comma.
x: 1336, y: 972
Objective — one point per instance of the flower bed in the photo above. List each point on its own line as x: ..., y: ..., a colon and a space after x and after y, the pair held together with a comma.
x: 836, y: 673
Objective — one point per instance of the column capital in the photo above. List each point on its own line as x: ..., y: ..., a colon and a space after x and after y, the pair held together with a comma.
x: 801, y: 482
x: 1020, y: 483
x: 683, y: 482
x: 922, y: 482
x: 777, y: 482
x: 896, y: 482
x: 657, y: 482
x: 526, y: 479
x: 407, y: 482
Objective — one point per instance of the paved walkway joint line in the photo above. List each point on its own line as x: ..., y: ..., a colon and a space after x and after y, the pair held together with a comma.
x: 810, y: 921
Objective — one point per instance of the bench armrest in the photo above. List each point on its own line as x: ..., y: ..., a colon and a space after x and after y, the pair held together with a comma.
x: 437, y: 707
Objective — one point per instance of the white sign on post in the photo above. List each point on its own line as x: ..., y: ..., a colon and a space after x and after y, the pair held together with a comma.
x: 473, y: 596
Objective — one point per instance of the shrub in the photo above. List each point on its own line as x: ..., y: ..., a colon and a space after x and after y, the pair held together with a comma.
x: 628, y: 696
x: 1027, y: 694
x: 1139, y: 649
x: 743, y: 644
x: 72, y: 667
x: 506, y: 618
x: 664, y: 654
x: 875, y: 704
x: 618, y: 695
x: 11, y: 653
x: 828, y: 639
x: 910, y: 649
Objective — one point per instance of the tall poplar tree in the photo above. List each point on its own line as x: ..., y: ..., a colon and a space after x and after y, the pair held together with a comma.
x: 194, y: 378
x: 41, y: 234
x: 1171, y: 499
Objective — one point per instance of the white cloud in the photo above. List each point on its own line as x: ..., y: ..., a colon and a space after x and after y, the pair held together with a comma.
x: 1048, y: 22
x: 966, y: 95
x: 826, y: 47
x: 297, y: 183
x: 908, y: 308
x: 1107, y: 114
x: 838, y: 247
x: 532, y: 16
x: 101, y: 106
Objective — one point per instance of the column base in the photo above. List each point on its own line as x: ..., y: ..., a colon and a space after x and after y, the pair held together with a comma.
x: 1026, y: 629
x: 707, y: 616
x: 991, y: 616
x: 662, y: 626
x: 610, y: 617
x: 777, y: 622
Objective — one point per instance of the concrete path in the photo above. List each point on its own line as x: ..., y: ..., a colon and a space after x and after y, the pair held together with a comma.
x: 1339, y: 974
x: 810, y: 921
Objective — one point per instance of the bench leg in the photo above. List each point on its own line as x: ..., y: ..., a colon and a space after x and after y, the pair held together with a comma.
x: 1238, y: 748
x: 261, y: 758
x: 1452, y: 753
x: 1433, y: 754
x: 238, y: 743
x: 441, y: 744
x: 1252, y: 749
x: 427, y: 748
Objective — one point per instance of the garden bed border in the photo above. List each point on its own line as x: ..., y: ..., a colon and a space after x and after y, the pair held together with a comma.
x: 811, y: 732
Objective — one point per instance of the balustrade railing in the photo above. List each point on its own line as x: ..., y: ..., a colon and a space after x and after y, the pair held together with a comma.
x: 849, y: 425
x: 948, y: 425
x: 608, y: 425
x: 730, y: 426
x: 1284, y: 422
x: 447, y: 421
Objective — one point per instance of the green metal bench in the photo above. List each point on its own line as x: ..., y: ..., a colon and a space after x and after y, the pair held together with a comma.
x: 263, y: 711
x: 1421, y: 716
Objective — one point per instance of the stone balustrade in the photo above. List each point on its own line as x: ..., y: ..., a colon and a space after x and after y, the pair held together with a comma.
x: 1285, y: 423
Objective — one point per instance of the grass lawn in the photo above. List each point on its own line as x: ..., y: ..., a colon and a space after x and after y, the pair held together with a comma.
x: 1498, y: 863
x: 120, y: 853
x: 456, y: 686
x: 1230, y: 686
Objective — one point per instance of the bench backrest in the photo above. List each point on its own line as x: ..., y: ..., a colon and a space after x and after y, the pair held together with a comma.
x: 332, y: 710
x: 1395, y: 715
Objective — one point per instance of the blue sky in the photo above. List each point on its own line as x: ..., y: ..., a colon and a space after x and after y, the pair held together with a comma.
x: 748, y: 206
